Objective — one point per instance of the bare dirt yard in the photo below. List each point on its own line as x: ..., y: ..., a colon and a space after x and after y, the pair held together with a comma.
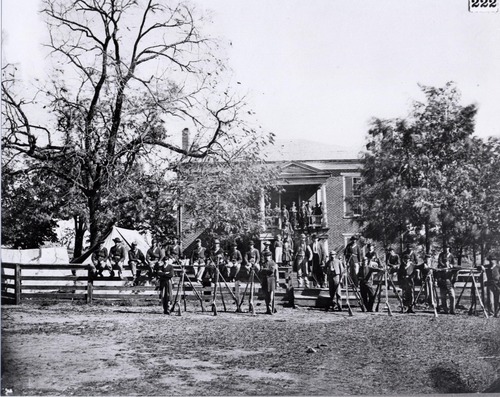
x: 76, y: 349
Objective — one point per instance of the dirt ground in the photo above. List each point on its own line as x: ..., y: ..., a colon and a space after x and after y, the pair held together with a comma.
x: 76, y: 349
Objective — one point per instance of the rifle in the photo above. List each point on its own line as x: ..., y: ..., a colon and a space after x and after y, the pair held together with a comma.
x: 183, y: 267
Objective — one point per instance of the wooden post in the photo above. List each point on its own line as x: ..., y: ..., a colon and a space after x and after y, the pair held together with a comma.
x: 90, y: 291
x: 18, y: 284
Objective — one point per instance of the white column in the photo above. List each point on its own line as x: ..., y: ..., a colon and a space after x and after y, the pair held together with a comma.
x: 324, y: 220
x: 262, y: 210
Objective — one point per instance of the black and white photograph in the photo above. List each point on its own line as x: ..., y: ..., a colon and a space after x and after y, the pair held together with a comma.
x: 249, y: 197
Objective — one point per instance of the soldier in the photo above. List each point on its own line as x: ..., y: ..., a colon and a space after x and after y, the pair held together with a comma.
x: 233, y: 264
x: 154, y: 256
x: 318, y: 262
x: 174, y: 251
x: 412, y: 256
x: 269, y: 279
x: 99, y: 260
x: 492, y: 285
x: 405, y: 277
x: 117, y: 257
x: 372, y: 256
x: 136, y: 259
x: 278, y: 250
x: 165, y: 271
x: 334, y: 269
x: 217, y: 260
x: 392, y: 260
x: 353, y: 257
x: 445, y: 277
x: 198, y: 258
x: 303, y: 255
x: 426, y: 276
x: 365, y: 278
x: 446, y: 258
x: 293, y: 216
x: 285, y: 216
x: 286, y: 258
x: 252, y: 256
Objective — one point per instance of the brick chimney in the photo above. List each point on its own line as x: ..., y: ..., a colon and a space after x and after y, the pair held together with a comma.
x: 185, y: 139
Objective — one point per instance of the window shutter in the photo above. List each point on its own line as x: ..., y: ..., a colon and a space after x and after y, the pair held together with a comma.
x: 348, y: 195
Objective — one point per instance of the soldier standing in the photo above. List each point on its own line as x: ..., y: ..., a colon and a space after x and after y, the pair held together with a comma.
x: 269, y: 279
x: 445, y: 276
x: 353, y: 257
x: 405, y: 278
x: 165, y: 275
x: 365, y: 277
x: 334, y: 269
x: 318, y: 261
x: 492, y: 285
x: 303, y: 255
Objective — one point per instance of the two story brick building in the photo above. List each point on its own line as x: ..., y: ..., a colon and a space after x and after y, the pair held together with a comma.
x: 322, y: 175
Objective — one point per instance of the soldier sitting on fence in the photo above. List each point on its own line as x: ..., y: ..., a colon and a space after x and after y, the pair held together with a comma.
x: 233, y: 264
x: 99, y: 261
x: 117, y: 257
x: 137, y: 263
x: 154, y: 256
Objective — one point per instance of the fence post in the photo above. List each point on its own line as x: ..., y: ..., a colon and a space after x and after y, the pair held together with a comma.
x: 18, y: 284
x: 90, y: 290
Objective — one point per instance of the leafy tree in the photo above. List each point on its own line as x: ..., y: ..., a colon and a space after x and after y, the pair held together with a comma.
x: 27, y: 205
x: 123, y: 72
x: 412, y: 167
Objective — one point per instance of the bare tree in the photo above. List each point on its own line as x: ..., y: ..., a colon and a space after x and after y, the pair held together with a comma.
x: 124, y: 71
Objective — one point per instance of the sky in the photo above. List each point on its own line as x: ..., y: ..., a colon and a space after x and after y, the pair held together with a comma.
x: 321, y: 69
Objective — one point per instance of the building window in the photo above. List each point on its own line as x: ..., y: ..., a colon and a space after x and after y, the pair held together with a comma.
x: 352, y: 195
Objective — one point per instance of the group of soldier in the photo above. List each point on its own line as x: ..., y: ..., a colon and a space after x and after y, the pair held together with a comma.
x: 358, y: 268
x: 293, y: 218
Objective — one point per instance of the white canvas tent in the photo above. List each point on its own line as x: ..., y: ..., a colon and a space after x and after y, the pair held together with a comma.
x: 128, y: 237
x: 39, y: 256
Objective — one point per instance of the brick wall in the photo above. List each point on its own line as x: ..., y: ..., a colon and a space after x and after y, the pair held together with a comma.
x: 337, y: 223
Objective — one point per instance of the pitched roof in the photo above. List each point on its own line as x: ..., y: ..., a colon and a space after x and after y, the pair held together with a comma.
x: 303, y: 150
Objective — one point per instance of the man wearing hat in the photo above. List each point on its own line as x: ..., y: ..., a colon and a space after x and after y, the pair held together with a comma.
x: 318, y: 261
x: 269, y: 279
x: 233, y: 264
x: 154, y: 255
x: 303, y: 255
x: 353, y: 257
x: 492, y: 284
x: 406, y: 273
x: 410, y: 253
x: 334, y: 270
x: 217, y: 260
x: 445, y: 276
x: 117, y: 257
x: 99, y: 260
x: 252, y: 256
x: 198, y: 258
x: 137, y: 262
x: 174, y: 250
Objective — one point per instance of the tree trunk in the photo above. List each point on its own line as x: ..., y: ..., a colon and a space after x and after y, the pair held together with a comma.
x: 460, y: 253
x: 427, y: 239
x: 80, y: 229
x: 93, y: 203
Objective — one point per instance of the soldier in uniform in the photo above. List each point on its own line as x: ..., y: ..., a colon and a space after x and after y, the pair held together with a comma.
x: 174, y: 251
x: 303, y: 255
x: 136, y: 260
x: 353, y: 257
x: 252, y: 256
x: 405, y: 277
x: 165, y: 274
x: 334, y: 269
x: 286, y: 257
x: 269, y: 279
x: 365, y: 278
x: 318, y: 262
x: 198, y: 258
x: 117, y: 257
x: 372, y: 256
x: 99, y: 260
x: 278, y: 250
x: 293, y: 216
x: 412, y: 256
x: 154, y: 255
x: 492, y: 285
x: 217, y: 260
x: 445, y: 277
x: 233, y: 264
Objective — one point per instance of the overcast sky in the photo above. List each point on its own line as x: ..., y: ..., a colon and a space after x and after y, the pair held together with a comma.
x: 320, y: 69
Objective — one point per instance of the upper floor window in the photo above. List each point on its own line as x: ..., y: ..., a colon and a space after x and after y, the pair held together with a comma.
x: 352, y: 195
